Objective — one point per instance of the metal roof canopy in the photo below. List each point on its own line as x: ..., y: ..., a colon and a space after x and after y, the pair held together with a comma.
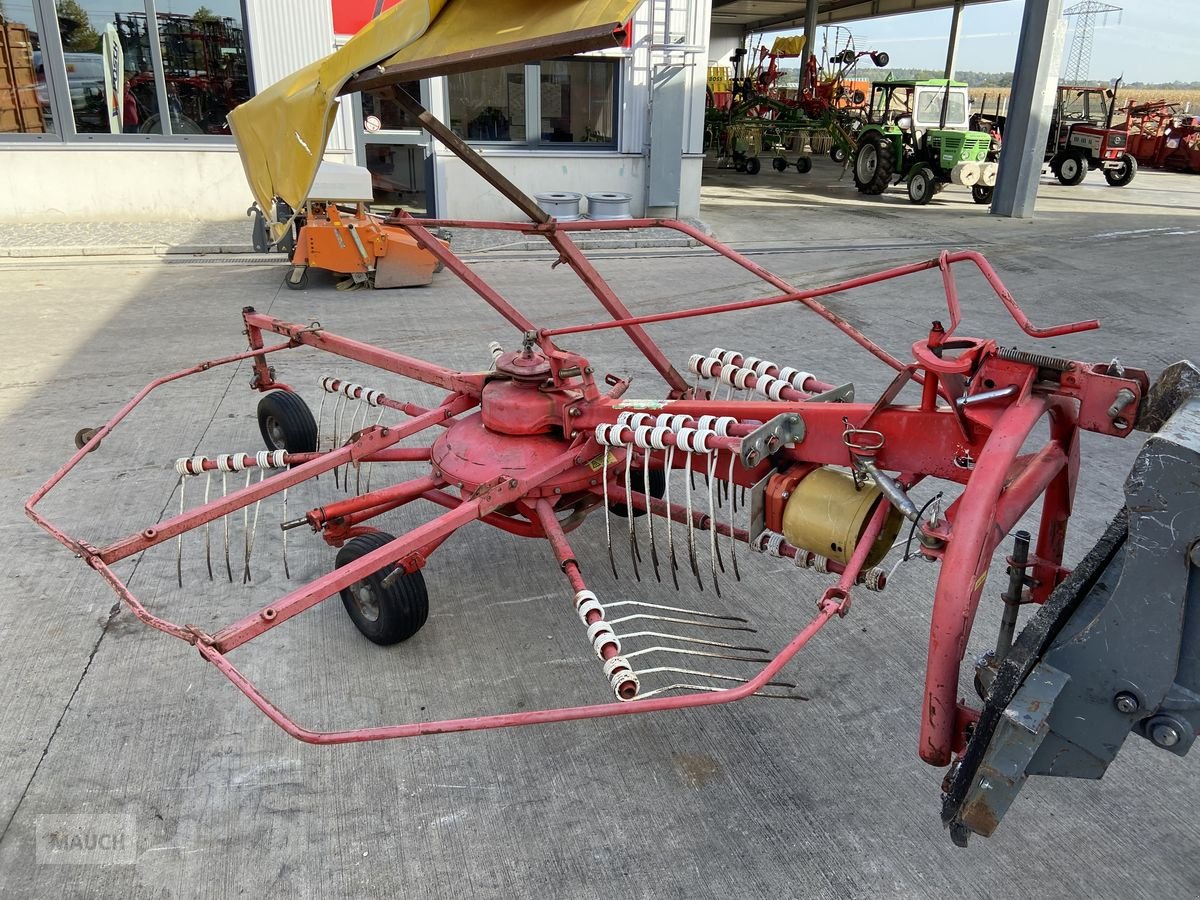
x: 766, y: 15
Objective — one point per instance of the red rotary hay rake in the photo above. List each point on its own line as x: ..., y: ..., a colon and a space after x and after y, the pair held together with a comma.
x: 785, y: 464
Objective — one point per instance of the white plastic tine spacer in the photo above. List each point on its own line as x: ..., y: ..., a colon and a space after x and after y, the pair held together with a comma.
x: 620, y: 680
x: 694, y: 362
x: 617, y: 662
x: 581, y: 596
x: 590, y: 606
x: 723, y: 424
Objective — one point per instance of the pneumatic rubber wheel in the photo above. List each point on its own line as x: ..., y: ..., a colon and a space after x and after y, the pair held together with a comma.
x: 779, y: 164
x: 838, y: 155
x: 753, y: 165
x: 804, y: 165
x: 1122, y: 175
x: 637, y: 482
x: 981, y: 193
x: 287, y: 423
x: 922, y: 185
x: 384, y: 615
x: 297, y: 278
x: 873, y: 164
x: 1072, y: 169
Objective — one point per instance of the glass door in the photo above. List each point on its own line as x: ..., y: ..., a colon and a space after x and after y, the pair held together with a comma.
x: 395, y: 150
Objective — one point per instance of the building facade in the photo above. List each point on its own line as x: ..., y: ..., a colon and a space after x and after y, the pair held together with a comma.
x: 114, y: 110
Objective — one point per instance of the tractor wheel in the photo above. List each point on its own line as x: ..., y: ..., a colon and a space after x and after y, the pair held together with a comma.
x: 779, y: 164
x: 287, y: 423
x: 804, y: 165
x: 922, y: 185
x: 384, y: 615
x: 1120, y: 177
x: 637, y: 482
x: 753, y: 165
x: 837, y: 154
x: 881, y: 59
x: 981, y: 194
x: 873, y: 164
x: 1072, y: 169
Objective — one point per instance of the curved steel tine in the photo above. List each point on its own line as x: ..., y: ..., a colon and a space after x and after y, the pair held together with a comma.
x: 691, y: 640
x: 321, y: 418
x: 354, y: 414
x: 668, y: 464
x: 681, y: 609
x: 286, y: 571
x: 607, y: 513
x: 717, y: 675
x: 733, y: 519
x: 691, y: 528
x: 179, y: 540
x: 378, y: 419
x: 649, y: 513
x: 706, y: 653
x: 633, y: 547
x: 680, y: 686
x: 246, y: 536
x: 208, y: 527
x: 336, y: 417
x: 648, y: 617
x: 225, y: 520
x: 714, y: 551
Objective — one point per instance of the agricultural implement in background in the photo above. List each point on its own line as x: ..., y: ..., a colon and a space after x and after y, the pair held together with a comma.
x: 755, y: 114
x: 1162, y: 137
x: 919, y: 132
x: 742, y: 457
x: 335, y: 231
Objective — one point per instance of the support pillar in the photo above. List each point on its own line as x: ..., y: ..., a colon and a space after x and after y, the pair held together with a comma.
x: 810, y: 35
x: 1035, y: 81
x: 952, y: 46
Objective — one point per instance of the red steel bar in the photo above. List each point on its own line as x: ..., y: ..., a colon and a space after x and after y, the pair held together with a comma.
x: 388, y: 360
x: 965, y: 565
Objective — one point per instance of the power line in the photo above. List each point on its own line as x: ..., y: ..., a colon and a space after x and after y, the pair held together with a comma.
x: 1079, y: 60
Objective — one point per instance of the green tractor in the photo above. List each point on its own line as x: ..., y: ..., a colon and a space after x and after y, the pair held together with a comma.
x: 918, y: 132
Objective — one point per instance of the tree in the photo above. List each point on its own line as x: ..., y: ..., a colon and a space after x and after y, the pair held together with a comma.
x: 78, y: 35
x: 204, y: 14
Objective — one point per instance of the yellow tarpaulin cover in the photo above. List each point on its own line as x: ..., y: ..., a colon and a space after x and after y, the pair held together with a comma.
x: 281, y: 133
x: 790, y: 45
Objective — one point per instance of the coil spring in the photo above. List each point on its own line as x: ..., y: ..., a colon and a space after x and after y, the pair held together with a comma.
x: 1041, y: 360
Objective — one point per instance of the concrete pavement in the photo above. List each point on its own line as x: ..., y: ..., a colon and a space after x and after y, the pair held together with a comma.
x: 823, y: 798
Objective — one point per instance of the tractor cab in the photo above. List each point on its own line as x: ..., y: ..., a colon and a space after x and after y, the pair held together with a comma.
x: 1082, y: 136
x: 919, y: 132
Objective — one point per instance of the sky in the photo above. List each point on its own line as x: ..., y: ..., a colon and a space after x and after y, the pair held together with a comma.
x: 1150, y: 40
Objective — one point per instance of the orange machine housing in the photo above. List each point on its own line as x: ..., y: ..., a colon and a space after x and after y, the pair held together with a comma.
x: 358, y: 245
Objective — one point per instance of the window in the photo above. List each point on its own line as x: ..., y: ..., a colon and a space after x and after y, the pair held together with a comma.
x: 150, y: 68
x: 562, y: 101
x: 929, y: 107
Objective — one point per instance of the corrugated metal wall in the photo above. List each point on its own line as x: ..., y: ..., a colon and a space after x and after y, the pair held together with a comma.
x: 286, y: 35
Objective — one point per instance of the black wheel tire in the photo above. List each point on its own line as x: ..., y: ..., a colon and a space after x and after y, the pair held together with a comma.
x: 982, y: 194
x: 384, y: 615
x: 880, y: 59
x: 838, y: 155
x: 873, y: 164
x: 804, y: 165
x: 1072, y: 169
x: 1125, y: 174
x: 739, y: 165
x: 779, y: 164
x: 297, y: 278
x: 287, y: 423
x: 921, y: 185
x: 753, y: 165
x: 637, y: 482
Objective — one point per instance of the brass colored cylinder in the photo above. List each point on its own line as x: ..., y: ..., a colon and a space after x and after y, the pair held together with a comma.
x: 826, y: 515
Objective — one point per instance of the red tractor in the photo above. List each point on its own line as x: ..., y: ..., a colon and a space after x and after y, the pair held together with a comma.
x: 1082, y: 136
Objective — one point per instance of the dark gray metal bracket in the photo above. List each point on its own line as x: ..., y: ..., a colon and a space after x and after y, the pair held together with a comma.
x: 1115, y: 650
